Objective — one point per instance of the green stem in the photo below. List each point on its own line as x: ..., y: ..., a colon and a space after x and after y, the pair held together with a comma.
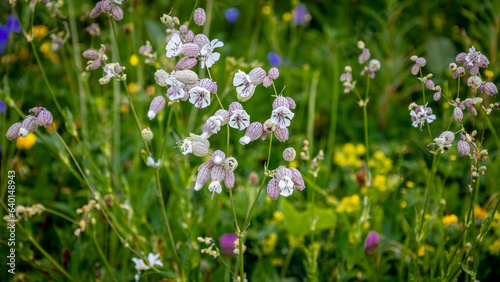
x: 104, y: 260
x: 167, y: 131
x: 50, y: 258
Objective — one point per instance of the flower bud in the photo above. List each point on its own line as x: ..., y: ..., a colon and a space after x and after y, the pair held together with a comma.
x: 187, y: 77
x: 460, y: 58
x: 156, y: 106
x: 190, y: 50
x: 161, y: 77
x: 30, y: 124
x: 147, y: 134
x: 374, y: 65
x: 420, y: 62
x: 371, y: 242
x: 217, y: 173
x: 490, y: 88
x: 281, y: 134
x: 267, y: 82
x: 206, y: 83
x: 291, y: 103
x: 453, y: 66
x: 224, y: 114
x: 472, y: 111
x: 298, y: 181
x: 233, y: 107
x: 273, y: 190
x: 289, y: 154
x: 429, y: 84
x: 413, y: 58
x: 186, y: 63
x: 361, y: 44
x: 461, y: 71
x: 269, y: 126
x: 280, y: 101
x: 204, y: 173
x: 463, y: 148
x: 458, y: 114
x: 415, y: 69
x: 13, y: 131
x: 253, y: 132
x: 45, y: 118
x: 117, y: 13
x: 200, y: 149
x: 274, y: 73
x: 474, y: 70
x: 229, y: 179
x: 364, y: 56
x: 199, y: 16
x: 436, y: 96
x: 183, y: 29
x: 91, y: 54
x: 257, y: 75
x: 189, y: 36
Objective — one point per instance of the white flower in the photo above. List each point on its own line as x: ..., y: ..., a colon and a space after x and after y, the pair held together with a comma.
x: 187, y: 146
x: 214, y: 123
x: 109, y: 69
x: 139, y: 264
x: 151, y: 162
x: 154, y: 259
x: 286, y: 186
x: 282, y: 117
x: 244, y: 86
x: 209, y: 56
x: 473, y: 57
x: 199, y: 97
x: 420, y: 115
x: 176, y: 91
x: 239, y: 120
x: 174, y: 46
x: 215, y: 187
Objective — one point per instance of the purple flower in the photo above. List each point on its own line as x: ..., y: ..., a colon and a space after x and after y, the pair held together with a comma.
x: 227, y: 243
x: 11, y: 26
x: 232, y: 14
x: 274, y: 59
x: 3, y: 107
x: 301, y: 15
x: 371, y: 242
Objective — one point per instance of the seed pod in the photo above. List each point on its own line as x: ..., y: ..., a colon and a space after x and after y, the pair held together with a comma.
x: 30, y: 124
x: 187, y: 77
x: 474, y: 82
x: 183, y: 29
x: 436, y: 96
x: 472, y: 111
x: 203, y: 177
x: 13, y: 131
x: 45, y: 118
x: 415, y: 69
x: 289, y: 154
x: 429, y: 84
x: 156, y: 106
x: 267, y: 82
x: 257, y: 75
x: 273, y: 190
x: 274, y: 73
x: 199, y: 16
x: 291, y: 103
x: 421, y: 62
x: 448, y: 137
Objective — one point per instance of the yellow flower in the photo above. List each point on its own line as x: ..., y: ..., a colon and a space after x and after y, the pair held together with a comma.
x: 278, y: 216
x: 294, y: 164
x: 40, y: 31
x: 366, y: 225
x: 45, y: 48
x: 449, y: 219
x: 380, y: 182
x: 287, y: 17
x: 266, y: 10
x: 403, y: 204
x: 410, y: 184
x: 423, y: 249
x: 269, y: 243
x: 134, y: 60
x: 360, y: 149
x: 453, y: 158
x: 349, y: 149
x: 488, y: 73
x: 479, y: 212
x: 133, y: 87
x: 349, y: 204
x: 26, y: 142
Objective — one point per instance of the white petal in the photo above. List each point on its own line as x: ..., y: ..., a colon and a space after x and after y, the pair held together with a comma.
x: 216, y: 43
x: 239, y: 78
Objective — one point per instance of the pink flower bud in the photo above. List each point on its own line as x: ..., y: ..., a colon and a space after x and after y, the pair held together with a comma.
x: 267, y: 82
x: 280, y: 101
x: 460, y: 58
x: 461, y: 106
x: 463, y: 148
x: 199, y: 16
x: 190, y: 50
x: 106, y: 6
x: 118, y: 68
x: 186, y: 63
x: 491, y: 89
x: 257, y: 75
x: 205, y: 83
x: 229, y: 179
x: 30, y: 124
x: 474, y: 70
x: 421, y: 62
x: 145, y: 48
x: 281, y: 134
x: 45, y: 118
x: 214, y: 87
x: 218, y: 157
x: 461, y: 71
x: 117, y: 13
x: 201, y: 40
x: 156, y: 106
x: 291, y: 103
x: 436, y: 96
x: 95, y: 64
x: 273, y: 190
x: 472, y: 111
x: 274, y: 73
x: 97, y: 10
x: 297, y: 179
x: 429, y: 84
x: 224, y: 114
x: 204, y: 173
x: 13, y: 131
x: 218, y: 173
x: 189, y: 36
x: 289, y: 154
x: 36, y: 110
x: 371, y: 242
x: 364, y: 56
x: 91, y: 54
x: 415, y: 69
x: 254, y: 132
x: 183, y: 29
x: 458, y: 114
x: 233, y: 107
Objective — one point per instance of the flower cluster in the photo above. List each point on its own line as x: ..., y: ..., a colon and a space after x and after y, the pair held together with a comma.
x: 39, y: 117
x: 421, y: 115
x: 217, y: 169
x: 285, y: 179
x: 153, y: 259
x: 147, y: 52
x: 110, y: 7
x: 369, y: 68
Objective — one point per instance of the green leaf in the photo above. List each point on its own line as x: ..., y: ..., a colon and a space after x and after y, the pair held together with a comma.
x: 298, y: 222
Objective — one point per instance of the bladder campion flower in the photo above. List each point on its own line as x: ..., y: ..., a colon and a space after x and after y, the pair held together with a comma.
x: 421, y: 115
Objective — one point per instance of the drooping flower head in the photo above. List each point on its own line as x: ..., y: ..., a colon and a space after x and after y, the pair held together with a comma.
x: 174, y: 46
x: 207, y: 53
x: 421, y: 115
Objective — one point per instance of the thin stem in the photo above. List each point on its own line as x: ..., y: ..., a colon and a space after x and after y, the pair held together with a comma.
x: 138, y: 123
x: 50, y: 258
x: 104, y: 260
x: 167, y: 130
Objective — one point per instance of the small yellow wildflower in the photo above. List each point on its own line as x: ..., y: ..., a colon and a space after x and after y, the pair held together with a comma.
x: 269, y: 243
x: 449, y: 219
x: 360, y: 149
x: 40, y: 31
x: 278, y: 216
x: 403, y: 204
x: 134, y: 60
x: 479, y: 212
x: 410, y: 184
x: 380, y: 182
x: 488, y: 73
x: 421, y: 251
x: 150, y: 90
x: 349, y: 204
x: 495, y: 248
x: 294, y: 164
x: 349, y: 149
x: 133, y: 87
x: 266, y: 10
x: 453, y: 158
x: 363, y: 190
x: 366, y: 225
x: 287, y: 17
x: 26, y: 142
x: 45, y: 48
